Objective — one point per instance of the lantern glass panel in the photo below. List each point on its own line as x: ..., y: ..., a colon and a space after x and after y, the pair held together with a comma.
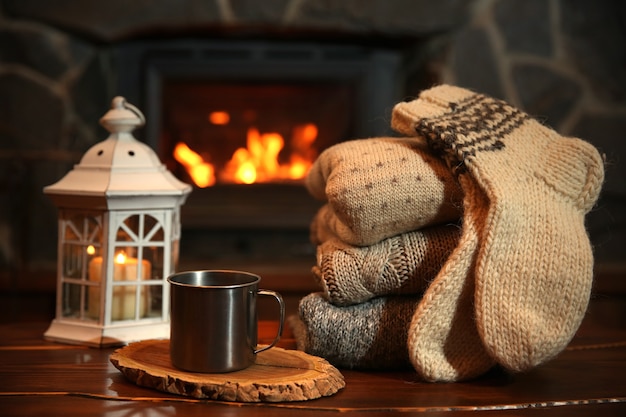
x: 82, y: 236
x: 73, y: 260
x: 153, y: 230
x: 154, y: 256
x: 154, y: 294
x: 81, y: 241
x: 93, y: 301
x: 94, y: 277
x: 127, y: 232
x: 124, y: 302
x: 127, y: 267
x: 138, y: 257
x: 73, y: 294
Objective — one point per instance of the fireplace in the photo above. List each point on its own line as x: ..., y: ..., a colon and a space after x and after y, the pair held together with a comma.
x: 214, y: 101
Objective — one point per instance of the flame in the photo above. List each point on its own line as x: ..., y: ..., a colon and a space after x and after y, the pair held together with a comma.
x: 201, y: 172
x: 304, y: 154
x: 258, y: 161
x: 120, y: 258
x: 219, y: 118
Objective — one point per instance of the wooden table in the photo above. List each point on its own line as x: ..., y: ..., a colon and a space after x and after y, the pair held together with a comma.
x: 39, y: 378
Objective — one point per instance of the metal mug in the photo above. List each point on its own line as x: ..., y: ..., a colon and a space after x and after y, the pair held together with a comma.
x: 213, y: 320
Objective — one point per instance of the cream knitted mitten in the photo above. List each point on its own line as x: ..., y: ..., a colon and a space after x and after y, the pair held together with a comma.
x: 402, y: 264
x: 534, y: 261
x: 443, y: 341
x: 370, y: 335
x: 380, y: 187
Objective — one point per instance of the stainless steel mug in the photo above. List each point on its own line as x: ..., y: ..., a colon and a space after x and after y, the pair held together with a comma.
x: 214, y: 320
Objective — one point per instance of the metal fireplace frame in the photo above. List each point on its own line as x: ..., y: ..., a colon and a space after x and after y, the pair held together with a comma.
x: 143, y: 65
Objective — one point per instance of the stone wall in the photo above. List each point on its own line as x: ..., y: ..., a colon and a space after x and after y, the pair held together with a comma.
x: 563, y: 61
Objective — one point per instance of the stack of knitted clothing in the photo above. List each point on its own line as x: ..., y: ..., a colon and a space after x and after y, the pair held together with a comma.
x: 456, y: 248
x: 389, y: 223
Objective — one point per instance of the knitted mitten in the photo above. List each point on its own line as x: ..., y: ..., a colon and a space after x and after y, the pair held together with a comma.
x: 443, y: 341
x: 402, y: 264
x: 370, y: 335
x: 381, y: 187
x: 534, y: 262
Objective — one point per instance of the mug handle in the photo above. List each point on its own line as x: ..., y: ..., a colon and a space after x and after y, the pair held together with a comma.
x: 281, y: 305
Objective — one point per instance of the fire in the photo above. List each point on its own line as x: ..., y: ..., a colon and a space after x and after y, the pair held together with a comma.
x: 258, y: 161
x: 201, y: 172
x: 120, y: 258
x: 219, y: 117
x: 304, y: 153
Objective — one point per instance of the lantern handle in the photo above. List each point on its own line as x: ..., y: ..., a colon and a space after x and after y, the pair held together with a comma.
x: 120, y: 101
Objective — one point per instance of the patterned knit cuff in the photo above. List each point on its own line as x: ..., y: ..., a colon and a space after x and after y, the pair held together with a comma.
x: 434, y: 102
x: 457, y: 123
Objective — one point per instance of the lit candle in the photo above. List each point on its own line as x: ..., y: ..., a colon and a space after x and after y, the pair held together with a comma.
x: 123, y: 302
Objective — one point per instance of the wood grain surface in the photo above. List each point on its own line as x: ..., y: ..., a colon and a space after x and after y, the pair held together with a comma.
x: 278, y: 375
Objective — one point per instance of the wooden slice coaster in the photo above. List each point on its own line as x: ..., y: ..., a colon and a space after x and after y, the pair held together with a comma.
x: 278, y: 375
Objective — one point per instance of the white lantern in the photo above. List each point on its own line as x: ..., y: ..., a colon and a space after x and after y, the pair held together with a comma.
x: 119, y: 231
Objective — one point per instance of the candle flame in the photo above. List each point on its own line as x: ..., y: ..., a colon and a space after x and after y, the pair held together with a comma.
x: 91, y: 250
x: 120, y: 258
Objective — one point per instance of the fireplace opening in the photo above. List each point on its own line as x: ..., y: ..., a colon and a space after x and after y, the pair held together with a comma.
x: 216, y: 133
x: 218, y: 102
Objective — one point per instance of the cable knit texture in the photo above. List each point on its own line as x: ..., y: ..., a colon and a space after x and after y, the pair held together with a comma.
x: 532, y: 188
x: 402, y: 264
x: 380, y: 187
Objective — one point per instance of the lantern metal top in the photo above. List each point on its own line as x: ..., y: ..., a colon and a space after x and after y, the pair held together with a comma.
x: 119, y: 169
x: 123, y: 116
